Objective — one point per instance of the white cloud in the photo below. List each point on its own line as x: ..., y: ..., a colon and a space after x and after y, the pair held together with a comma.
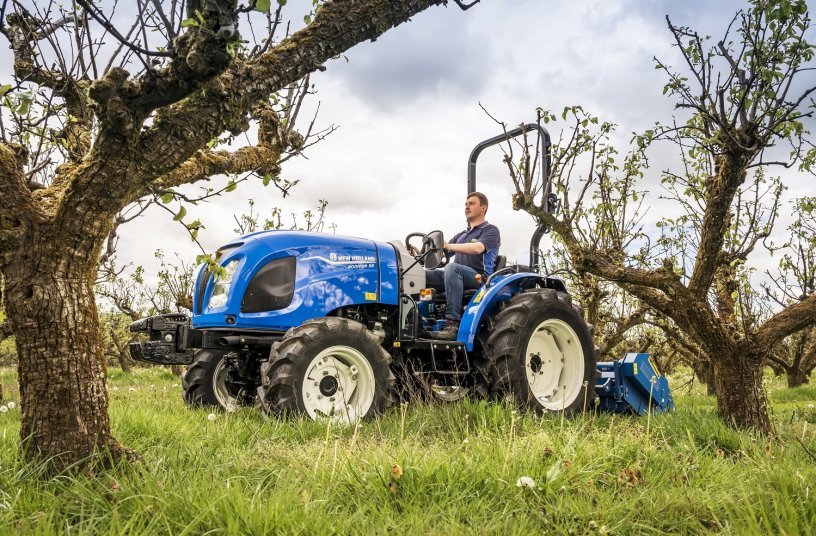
x: 407, y: 107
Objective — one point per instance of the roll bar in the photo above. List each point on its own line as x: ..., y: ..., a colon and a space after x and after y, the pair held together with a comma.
x: 545, y: 170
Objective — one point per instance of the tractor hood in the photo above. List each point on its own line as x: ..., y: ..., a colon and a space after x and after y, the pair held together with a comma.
x: 274, y: 280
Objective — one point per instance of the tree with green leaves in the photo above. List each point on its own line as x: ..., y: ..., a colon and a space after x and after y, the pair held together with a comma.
x: 740, y: 98
x: 794, y: 282
x: 125, y: 121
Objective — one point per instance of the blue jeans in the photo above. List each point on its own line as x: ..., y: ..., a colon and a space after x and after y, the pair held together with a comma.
x: 453, y: 279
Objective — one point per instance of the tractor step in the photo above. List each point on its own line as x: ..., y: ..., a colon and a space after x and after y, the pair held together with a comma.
x: 448, y: 358
x: 632, y: 384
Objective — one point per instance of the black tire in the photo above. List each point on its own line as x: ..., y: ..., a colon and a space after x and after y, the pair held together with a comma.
x: 340, y: 341
x: 202, y: 385
x: 528, y: 319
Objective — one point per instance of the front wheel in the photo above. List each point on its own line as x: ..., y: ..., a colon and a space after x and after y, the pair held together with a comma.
x: 328, y: 368
x: 540, y: 352
x: 208, y: 382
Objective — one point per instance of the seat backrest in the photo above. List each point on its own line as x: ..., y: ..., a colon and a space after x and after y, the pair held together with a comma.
x: 501, y: 262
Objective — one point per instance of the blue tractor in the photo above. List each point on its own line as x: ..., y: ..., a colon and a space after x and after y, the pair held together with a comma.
x: 340, y: 327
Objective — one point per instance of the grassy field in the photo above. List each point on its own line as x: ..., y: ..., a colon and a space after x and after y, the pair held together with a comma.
x: 423, y: 469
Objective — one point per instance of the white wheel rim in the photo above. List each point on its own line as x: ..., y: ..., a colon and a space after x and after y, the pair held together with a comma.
x: 225, y: 400
x: 449, y: 393
x: 554, y: 364
x: 339, y: 385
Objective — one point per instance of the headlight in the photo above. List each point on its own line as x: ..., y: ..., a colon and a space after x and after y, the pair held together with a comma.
x: 218, y: 298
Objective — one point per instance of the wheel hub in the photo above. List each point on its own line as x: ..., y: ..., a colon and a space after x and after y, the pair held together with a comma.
x: 339, y: 384
x: 535, y: 363
x: 328, y: 385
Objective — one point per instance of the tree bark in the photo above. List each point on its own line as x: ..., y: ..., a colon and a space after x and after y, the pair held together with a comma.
x: 741, y: 399
x: 797, y: 378
x: 61, y: 367
x: 704, y: 371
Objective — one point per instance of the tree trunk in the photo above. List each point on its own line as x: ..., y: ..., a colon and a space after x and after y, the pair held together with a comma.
x: 61, y: 362
x: 124, y: 362
x: 704, y: 371
x: 741, y: 399
x: 797, y: 377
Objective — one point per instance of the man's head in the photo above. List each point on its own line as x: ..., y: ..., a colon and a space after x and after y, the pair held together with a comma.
x: 475, y: 208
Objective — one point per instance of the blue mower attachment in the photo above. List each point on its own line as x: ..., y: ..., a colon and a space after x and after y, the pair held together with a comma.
x: 631, y: 384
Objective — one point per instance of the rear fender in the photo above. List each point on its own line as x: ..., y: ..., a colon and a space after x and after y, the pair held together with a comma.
x: 486, y: 300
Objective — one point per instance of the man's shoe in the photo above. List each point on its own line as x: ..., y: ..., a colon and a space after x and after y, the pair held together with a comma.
x: 448, y: 333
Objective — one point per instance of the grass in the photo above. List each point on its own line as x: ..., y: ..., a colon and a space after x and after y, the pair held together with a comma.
x: 445, y: 469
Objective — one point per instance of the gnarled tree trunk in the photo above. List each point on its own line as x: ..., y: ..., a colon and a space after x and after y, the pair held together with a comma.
x: 61, y: 363
x: 741, y: 398
x: 797, y: 378
x: 704, y: 371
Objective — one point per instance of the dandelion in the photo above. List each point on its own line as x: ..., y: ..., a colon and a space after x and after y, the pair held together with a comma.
x: 211, y: 416
x: 3, y: 409
x: 396, y: 471
x: 525, y: 482
x: 11, y: 405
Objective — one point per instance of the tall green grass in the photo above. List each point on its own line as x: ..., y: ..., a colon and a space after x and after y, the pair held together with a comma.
x: 439, y: 469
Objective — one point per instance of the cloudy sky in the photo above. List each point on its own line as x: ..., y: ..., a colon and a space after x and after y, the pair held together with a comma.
x: 407, y: 108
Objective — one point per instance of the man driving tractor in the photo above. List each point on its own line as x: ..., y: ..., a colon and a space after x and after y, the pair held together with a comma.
x: 475, y: 250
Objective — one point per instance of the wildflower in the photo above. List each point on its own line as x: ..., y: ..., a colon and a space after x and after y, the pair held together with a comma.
x: 211, y: 416
x: 396, y: 471
x: 175, y: 385
x: 115, y: 388
x: 132, y: 389
x: 811, y: 406
x: 3, y: 409
x: 11, y: 405
x: 525, y: 482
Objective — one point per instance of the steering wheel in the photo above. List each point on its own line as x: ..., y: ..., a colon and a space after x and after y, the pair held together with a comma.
x: 431, y: 252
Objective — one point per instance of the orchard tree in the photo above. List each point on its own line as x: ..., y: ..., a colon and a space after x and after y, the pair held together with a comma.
x: 743, y: 96
x: 795, y: 282
x: 130, y: 120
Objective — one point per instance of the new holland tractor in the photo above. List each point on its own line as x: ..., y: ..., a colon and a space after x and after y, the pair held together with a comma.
x: 339, y: 327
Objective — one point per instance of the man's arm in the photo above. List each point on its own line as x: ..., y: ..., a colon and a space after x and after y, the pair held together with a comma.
x: 471, y: 248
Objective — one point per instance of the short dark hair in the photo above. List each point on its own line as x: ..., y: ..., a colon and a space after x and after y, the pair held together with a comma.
x: 482, y: 197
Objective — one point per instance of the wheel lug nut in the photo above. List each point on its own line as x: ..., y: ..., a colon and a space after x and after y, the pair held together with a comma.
x: 325, y: 372
x: 331, y: 399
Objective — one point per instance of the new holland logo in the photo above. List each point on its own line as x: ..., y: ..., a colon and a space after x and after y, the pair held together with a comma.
x: 333, y: 256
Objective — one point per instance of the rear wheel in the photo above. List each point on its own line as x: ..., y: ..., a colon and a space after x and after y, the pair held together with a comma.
x: 207, y: 382
x: 328, y: 368
x: 540, y: 352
